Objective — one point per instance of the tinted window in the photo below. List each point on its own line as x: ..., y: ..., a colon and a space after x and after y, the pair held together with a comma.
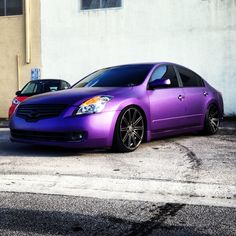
x: 51, y: 86
x: 189, y: 78
x: 159, y: 73
x: 96, y: 4
x: 37, y: 87
x: 167, y: 72
x: 64, y: 85
x: 121, y: 76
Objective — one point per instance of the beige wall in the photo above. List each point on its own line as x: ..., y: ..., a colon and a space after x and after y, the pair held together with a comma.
x: 12, y: 43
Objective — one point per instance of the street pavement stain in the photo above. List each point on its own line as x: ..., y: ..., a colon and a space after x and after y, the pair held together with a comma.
x: 77, y: 228
x: 160, y: 215
x: 195, y: 161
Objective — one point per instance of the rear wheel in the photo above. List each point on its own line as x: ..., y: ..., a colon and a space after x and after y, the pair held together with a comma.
x: 129, y: 131
x: 212, y: 120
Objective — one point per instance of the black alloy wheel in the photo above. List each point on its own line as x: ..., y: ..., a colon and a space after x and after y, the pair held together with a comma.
x: 130, y: 130
x: 212, y: 120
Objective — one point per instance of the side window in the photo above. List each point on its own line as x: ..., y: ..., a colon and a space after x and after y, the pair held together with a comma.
x: 69, y: 86
x: 189, y: 78
x: 168, y: 72
x: 64, y: 85
x: 158, y: 73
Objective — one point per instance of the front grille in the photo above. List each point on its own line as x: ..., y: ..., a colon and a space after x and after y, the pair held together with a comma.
x: 48, y: 136
x: 35, y: 112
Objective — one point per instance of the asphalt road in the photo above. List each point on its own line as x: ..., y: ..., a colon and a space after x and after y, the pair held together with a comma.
x: 31, y: 214
x: 183, y: 185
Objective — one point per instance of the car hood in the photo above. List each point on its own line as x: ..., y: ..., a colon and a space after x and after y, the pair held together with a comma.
x: 75, y: 96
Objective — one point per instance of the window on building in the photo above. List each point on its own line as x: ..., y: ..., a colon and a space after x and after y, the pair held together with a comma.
x: 1, y: 8
x: 11, y: 7
x: 97, y: 4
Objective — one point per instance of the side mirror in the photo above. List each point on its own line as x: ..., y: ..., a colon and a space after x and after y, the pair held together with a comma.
x: 18, y: 93
x: 160, y: 83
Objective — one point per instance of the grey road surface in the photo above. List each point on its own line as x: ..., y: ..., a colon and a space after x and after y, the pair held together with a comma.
x: 36, y: 214
x: 183, y: 185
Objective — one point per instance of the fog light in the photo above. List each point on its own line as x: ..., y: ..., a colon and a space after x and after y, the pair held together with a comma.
x: 77, y: 136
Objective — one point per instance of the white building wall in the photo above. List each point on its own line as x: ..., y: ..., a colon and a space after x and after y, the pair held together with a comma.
x: 200, y: 34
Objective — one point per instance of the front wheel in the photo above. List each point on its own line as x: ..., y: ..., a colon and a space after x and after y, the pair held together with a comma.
x: 212, y: 120
x: 129, y: 131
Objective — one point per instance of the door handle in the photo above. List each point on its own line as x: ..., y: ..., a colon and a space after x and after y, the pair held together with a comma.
x: 205, y: 93
x: 180, y: 97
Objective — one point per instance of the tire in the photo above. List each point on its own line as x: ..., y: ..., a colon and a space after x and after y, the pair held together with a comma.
x: 212, y: 120
x: 129, y: 130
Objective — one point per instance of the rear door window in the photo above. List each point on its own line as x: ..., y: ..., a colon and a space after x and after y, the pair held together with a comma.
x: 189, y: 78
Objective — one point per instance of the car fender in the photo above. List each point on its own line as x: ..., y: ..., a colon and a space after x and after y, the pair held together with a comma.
x: 142, y: 104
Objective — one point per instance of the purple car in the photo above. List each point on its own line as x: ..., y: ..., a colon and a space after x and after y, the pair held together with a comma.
x: 120, y: 107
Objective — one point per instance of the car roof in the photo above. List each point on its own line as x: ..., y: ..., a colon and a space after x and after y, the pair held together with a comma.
x: 47, y: 80
x: 153, y: 64
x: 144, y: 64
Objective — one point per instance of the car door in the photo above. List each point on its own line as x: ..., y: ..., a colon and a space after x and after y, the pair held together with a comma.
x: 195, y: 95
x: 167, y: 104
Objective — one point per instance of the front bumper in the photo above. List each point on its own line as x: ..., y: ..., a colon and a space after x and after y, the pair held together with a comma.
x: 86, y: 131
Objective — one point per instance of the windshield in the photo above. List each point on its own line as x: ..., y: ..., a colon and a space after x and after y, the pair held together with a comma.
x: 36, y: 87
x: 120, y: 76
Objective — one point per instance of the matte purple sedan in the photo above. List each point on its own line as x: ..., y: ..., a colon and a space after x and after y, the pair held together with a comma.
x: 120, y: 107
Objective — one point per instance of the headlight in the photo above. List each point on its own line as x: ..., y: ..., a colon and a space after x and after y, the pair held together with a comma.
x: 93, y: 105
x: 15, y: 101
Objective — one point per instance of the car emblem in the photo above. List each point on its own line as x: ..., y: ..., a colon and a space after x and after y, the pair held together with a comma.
x: 33, y: 114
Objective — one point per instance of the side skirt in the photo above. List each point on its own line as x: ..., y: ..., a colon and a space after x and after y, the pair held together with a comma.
x: 172, y: 132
